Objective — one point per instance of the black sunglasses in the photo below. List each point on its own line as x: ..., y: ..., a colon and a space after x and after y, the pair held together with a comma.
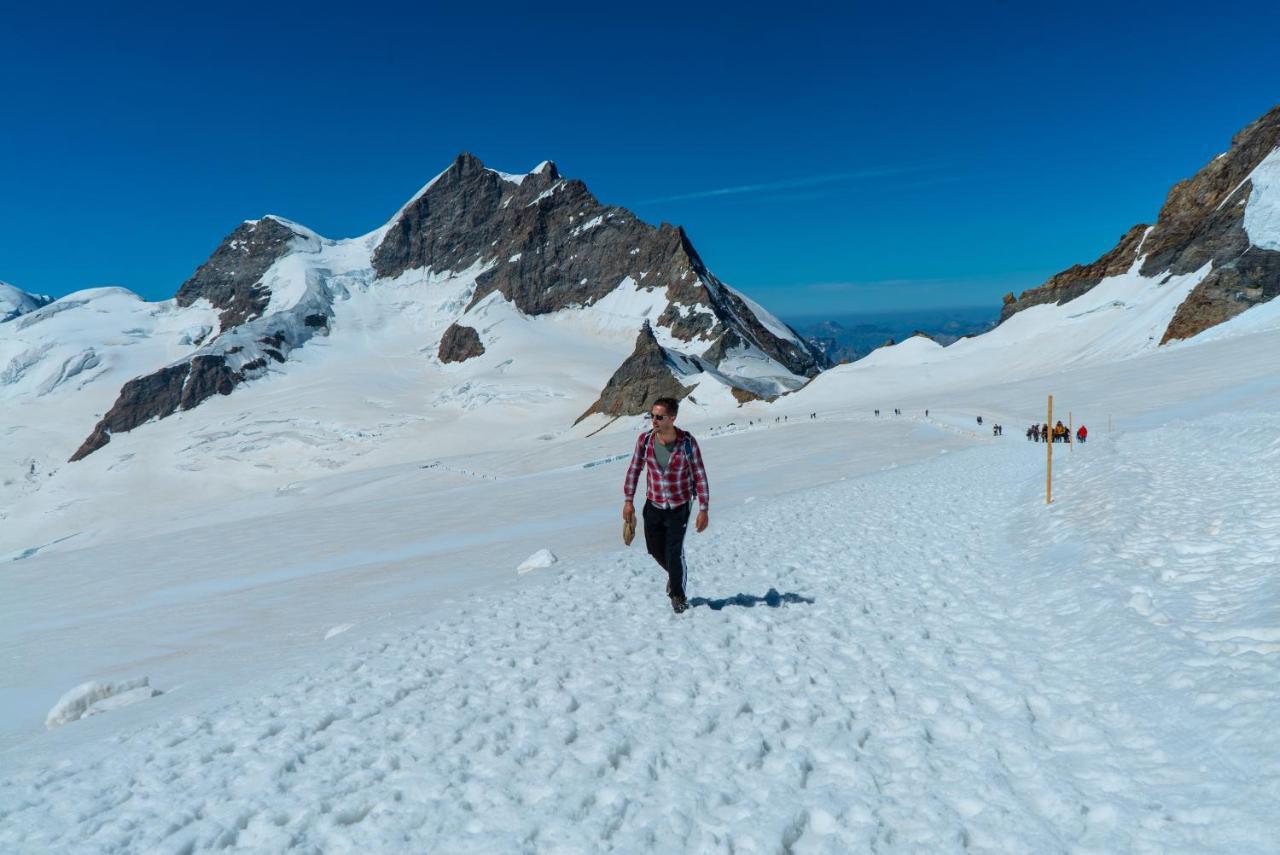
x: 658, y: 418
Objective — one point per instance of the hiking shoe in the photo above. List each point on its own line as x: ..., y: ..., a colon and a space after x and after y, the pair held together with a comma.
x: 679, y: 604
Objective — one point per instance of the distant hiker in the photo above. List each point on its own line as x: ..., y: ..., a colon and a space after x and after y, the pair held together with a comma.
x: 1060, y: 432
x: 877, y: 412
x: 926, y: 414
x: 1082, y: 433
x: 674, y: 474
x: 979, y: 419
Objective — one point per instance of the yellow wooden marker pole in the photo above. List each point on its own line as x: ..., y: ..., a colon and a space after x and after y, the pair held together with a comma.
x: 1048, y: 472
x: 1071, y: 426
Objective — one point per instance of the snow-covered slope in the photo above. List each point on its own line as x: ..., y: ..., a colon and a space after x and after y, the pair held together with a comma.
x: 895, y: 645
x: 14, y: 301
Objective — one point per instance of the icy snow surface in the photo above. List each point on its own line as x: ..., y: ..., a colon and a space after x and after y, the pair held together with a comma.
x: 1262, y: 212
x: 14, y: 302
x: 93, y: 697
x: 890, y: 648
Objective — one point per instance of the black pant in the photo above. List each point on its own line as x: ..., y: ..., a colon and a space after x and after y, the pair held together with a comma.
x: 664, y: 530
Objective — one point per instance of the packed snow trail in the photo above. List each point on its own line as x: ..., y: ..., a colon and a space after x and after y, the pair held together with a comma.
x: 926, y: 659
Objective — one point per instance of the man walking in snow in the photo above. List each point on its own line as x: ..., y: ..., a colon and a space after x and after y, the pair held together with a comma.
x: 674, y: 474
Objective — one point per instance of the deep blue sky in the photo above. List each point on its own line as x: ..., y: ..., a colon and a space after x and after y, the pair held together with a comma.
x: 883, y: 156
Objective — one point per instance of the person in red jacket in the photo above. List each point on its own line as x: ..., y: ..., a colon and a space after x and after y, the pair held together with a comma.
x: 1082, y: 433
x: 675, y: 474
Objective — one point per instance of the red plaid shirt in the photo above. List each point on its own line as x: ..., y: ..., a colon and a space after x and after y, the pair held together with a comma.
x: 676, y: 485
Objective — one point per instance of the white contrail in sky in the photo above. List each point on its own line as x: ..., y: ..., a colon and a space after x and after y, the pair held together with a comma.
x: 790, y: 184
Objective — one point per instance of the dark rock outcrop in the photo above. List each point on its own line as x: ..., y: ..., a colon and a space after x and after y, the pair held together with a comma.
x: 177, y: 387
x: 231, y: 278
x: 551, y: 245
x: 745, y: 396
x: 1201, y: 222
x: 648, y: 373
x: 1201, y: 219
x: 459, y: 344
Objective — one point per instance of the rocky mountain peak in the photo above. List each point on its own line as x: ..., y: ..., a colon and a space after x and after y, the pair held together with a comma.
x: 230, y: 279
x: 1201, y: 223
x: 547, y: 244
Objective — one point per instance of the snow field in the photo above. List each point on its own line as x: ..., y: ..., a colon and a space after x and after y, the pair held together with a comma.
x: 923, y: 659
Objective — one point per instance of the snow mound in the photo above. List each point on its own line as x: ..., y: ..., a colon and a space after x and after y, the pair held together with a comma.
x: 538, y: 560
x: 92, y: 698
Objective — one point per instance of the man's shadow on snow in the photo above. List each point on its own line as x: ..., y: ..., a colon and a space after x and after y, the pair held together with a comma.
x: 772, y: 599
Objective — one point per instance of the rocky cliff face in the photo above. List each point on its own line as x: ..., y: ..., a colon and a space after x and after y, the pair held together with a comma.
x: 1203, y: 221
x: 231, y: 280
x: 176, y: 387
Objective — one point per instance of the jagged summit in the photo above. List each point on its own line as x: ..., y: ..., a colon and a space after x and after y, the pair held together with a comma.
x: 547, y: 244
x: 1221, y: 220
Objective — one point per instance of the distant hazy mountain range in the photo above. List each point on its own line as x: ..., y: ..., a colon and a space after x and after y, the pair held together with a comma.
x: 845, y: 338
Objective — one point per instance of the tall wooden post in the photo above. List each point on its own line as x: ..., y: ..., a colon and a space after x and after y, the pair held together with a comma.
x: 1048, y: 472
x: 1071, y: 426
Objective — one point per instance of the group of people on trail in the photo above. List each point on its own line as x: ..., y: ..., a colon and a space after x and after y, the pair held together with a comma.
x: 1057, y: 433
x: 674, y: 475
x: 997, y: 430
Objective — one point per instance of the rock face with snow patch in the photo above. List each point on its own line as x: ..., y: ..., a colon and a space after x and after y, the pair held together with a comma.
x: 648, y: 373
x: 460, y: 344
x: 1205, y: 219
x: 231, y: 279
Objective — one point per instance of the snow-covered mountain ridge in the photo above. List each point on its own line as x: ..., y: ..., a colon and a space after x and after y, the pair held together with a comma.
x: 539, y: 243
x: 14, y: 302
